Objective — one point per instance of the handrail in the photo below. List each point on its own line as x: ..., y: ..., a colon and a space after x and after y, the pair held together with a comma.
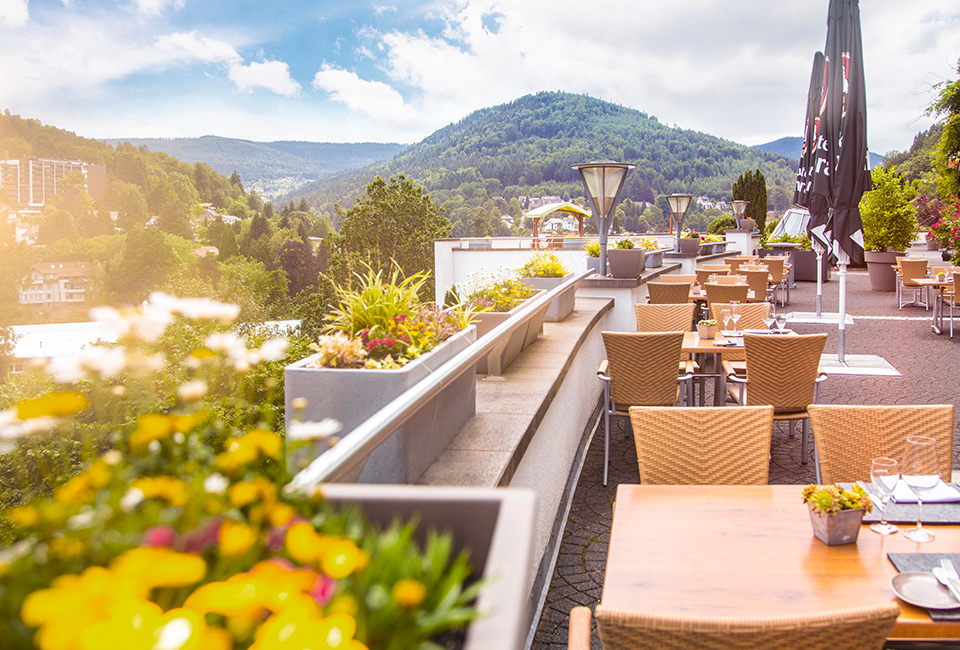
x: 338, y: 461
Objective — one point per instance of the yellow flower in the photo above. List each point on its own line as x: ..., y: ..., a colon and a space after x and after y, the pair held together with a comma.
x: 267, y: 442
x: 159, y: 566
x: 247, y: 492
x: 236, y: 538
x: 65, y: 547
x: 340, y: 558
x: 241, y: 596
x: 150, y: 427
x: 286, y: 584
x: 174, y: 491
x: 280, y: 514
x: 52, y: 405
x: 409, y: 593
x: 24, y: 516
x: 142, y: 626
x: 302, y: 627
x: 303, y: 543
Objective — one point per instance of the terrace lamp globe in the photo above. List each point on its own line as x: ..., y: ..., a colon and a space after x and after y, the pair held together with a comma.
x: 602, y: 183
x: 678, y: 206
x: 739, y: 207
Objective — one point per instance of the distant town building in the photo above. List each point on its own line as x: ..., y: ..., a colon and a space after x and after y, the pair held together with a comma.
x: 535, y: 202
x: 32, y: 182
x: 55, y: 283
x: 203, y: 251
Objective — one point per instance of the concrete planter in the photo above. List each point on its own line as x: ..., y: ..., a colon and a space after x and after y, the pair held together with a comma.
x: 805, y: 266
x: 495, y: 525
x: 654, y: 258
x: 562, y: 305
x: 689, y: 245
x: 594, y: 263
x: 880, y: 269
x: 479, y: 244
x: 351, y: 396
x: 574, y: 243
x: 522, y: 337
x: 932, y: 245
x: 626, y: 262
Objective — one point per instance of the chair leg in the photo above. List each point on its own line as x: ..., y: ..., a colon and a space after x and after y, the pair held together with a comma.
x: 816, y: 460
x: 790, y: 428
x: 606, y: 431
x: 803, y: 442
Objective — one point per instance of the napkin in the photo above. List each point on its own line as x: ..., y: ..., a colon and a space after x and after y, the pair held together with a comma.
x: 941, y: 493
x: 756, y: 331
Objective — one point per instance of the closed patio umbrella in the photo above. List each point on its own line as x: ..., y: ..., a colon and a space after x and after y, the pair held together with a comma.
x: 840, y: 171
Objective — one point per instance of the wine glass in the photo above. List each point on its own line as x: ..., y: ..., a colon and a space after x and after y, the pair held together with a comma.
x: 769, y: 320
x: 920, y: 471
x: 884, y: 474
x: 725, y: 315
x: 735, y: 314
x: 781, y: 322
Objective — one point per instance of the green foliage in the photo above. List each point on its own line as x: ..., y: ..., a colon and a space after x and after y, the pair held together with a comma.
x: 498, y: 293
x: 592, y: 247
x: 752, y: 187
x: 947, y: 107
x: 831, y: 499
x: 543, y: 265
x: 801, y: 239
x: 721, y: 224
x: 626, y: 244
x: 889, y: 218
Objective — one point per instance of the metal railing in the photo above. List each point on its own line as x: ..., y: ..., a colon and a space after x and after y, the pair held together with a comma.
x: 350, y: 452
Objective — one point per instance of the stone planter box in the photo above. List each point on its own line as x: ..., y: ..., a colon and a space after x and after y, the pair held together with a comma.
x: 654, y: 258
x: 626, y: 262
x: 805, y: 266
x: 519, y: 340
x: 880, y: 269
x: 594, y: 263
x: 562, y: 305
x: 351, y: 396
x: 689, y: 245
x: 495, y: 525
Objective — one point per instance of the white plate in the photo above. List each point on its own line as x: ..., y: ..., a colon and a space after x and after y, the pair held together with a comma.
x: 923, y: 590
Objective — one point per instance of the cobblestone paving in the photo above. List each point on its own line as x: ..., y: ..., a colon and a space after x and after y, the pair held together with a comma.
x: 903, y: 337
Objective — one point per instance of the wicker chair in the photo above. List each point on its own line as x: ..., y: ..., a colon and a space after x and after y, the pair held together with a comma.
x: 679, y: 277
x: 849, y: 437
x: 775, y: 266
x: 664, y: 318
x: 782, y: 371
x: 703, y: 446
x: 668, y: 293
x: 640, y: 370
x: 758, y: 281
x: 911, y: 269
x: 731, y: 279
x: 951, y: 298
x: 715, y: 267
x: 861, y: 628
x: 751, y: 318
x: 725, y: 293
x: 704, y: 274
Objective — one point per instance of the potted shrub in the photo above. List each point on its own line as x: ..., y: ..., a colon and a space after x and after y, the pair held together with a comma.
x: 710, y: 244
x: 626, y: 260
x: 380, y: 341
x: 178, y: 531
x: 689, y: 242
x: 707, y: 328
x: 543, y: 272
x: 931, y: 239
x: 592, y: 249
x: 889, y: 227
x: 654, y: 254
x: 494, y: 299
x: 835, y: 513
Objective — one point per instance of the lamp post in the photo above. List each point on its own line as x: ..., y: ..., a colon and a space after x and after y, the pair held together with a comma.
x: 678, y: 205
x: 602, y: 182
x: 739, y: 207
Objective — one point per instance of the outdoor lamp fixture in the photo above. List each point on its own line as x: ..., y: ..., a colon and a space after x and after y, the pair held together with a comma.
x: 678, y: 205
x: 602, y: 182
x: 739, y: 207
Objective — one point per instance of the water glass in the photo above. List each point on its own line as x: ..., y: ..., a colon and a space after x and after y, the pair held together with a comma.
x: 735, y: 313
x: 921, y: 472
x: 769, y: 320
x: 725, y: 317
x: 781, y: 322
x: 884, y: 475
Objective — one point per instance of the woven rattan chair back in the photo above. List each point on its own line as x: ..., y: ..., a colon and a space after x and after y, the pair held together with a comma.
x: 757, y: 281
x: 849, y: 437
x: 911, y: 269
x: 751, y: 315
x: 715, y: 267
x: 726, y: 293
x: 664, y: 318
x: 643, y: 367
x: 782, y: 370
x: 704, y: 274
x: 703, y: 446
x: 733, y: 263
x: 731, y: 279
x: 668, y: 293
x: 862, y: 628
x: 775, y: 268
x: 680, y: 278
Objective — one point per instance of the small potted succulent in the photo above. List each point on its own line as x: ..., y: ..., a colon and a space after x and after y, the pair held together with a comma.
x: 626, y: 260
x: 543, y: 272
x: 689, y: 242
x: 592, y: 249
x: 707, y: 328
x: 836, y: 513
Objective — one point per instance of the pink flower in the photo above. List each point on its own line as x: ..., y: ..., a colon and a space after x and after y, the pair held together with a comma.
x: 163, y: 535
x: 323, y: 589
x: 202, y: 538
x: 372, y: 344
x: 389, y: 342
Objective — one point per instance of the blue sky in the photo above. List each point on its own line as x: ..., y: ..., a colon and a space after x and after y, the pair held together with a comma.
x: 355, y: 71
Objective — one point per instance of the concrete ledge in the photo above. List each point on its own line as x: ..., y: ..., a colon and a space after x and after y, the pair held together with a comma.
x: 510, y: 408
x: 648, y: 275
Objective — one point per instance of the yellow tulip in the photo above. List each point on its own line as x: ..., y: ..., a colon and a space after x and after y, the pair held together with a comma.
x: 236, y: 538
x: 408, y: 593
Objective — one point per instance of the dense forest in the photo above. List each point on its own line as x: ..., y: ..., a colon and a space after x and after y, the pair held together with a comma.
x: 477, y: 168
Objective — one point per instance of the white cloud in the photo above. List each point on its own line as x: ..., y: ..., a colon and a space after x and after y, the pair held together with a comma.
x: 272, y: 75
x: 375, y: 98
x: 14, y: 13
x: 156, y: 7
x: 193, y: 46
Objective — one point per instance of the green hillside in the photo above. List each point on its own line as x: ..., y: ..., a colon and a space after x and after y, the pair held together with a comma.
x: 473, y: 168
x: 271, y: 168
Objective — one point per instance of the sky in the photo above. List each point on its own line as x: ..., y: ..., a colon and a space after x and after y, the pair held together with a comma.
x: 382, y: 71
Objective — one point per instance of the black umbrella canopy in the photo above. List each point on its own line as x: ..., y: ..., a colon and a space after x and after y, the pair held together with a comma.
x: 803, y: 195
x: 840, y: 172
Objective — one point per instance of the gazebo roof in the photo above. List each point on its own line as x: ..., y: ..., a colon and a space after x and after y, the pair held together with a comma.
x: 565, y: 206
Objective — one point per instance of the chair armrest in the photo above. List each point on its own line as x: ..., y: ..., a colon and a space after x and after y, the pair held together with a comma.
x: 821, y: 376
x: 731, y: 373
x: 602, y: 370
x: 578, y: 637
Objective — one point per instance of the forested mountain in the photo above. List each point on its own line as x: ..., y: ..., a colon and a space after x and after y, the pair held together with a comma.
x: 790, y: 148
x: 271, y: 168
x: 475, y: 168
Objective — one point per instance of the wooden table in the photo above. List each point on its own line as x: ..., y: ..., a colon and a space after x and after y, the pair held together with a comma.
x: 937, y: 323
x: 750, y: 551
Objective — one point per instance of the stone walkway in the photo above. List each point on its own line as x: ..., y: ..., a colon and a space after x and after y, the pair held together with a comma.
x: 927, y: 362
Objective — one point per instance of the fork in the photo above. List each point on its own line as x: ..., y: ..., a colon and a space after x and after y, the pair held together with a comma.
x: 953, y: 580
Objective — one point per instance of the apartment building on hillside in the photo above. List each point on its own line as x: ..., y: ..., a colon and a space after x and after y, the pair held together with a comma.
x: 59, y: 283
x: 30, y: 183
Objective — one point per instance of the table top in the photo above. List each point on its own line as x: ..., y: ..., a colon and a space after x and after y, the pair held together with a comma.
x: 750, y: 551
x: 933, y: 282
x: 700, y: 294
x: 693, y: 344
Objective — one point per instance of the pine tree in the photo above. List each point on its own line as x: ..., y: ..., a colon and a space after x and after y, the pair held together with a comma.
x: 752, y: 187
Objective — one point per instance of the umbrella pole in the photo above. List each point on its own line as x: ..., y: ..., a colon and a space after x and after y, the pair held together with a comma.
x: 841, y: 332
x: 819, y: 280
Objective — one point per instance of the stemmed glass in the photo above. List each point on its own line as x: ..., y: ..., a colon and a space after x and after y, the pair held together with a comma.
x: 725, y: 315
x: 884, y: 474
x: 769, y: 320
x: 735, y: 314
x: 920, y: 471
x: 781, y: 322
